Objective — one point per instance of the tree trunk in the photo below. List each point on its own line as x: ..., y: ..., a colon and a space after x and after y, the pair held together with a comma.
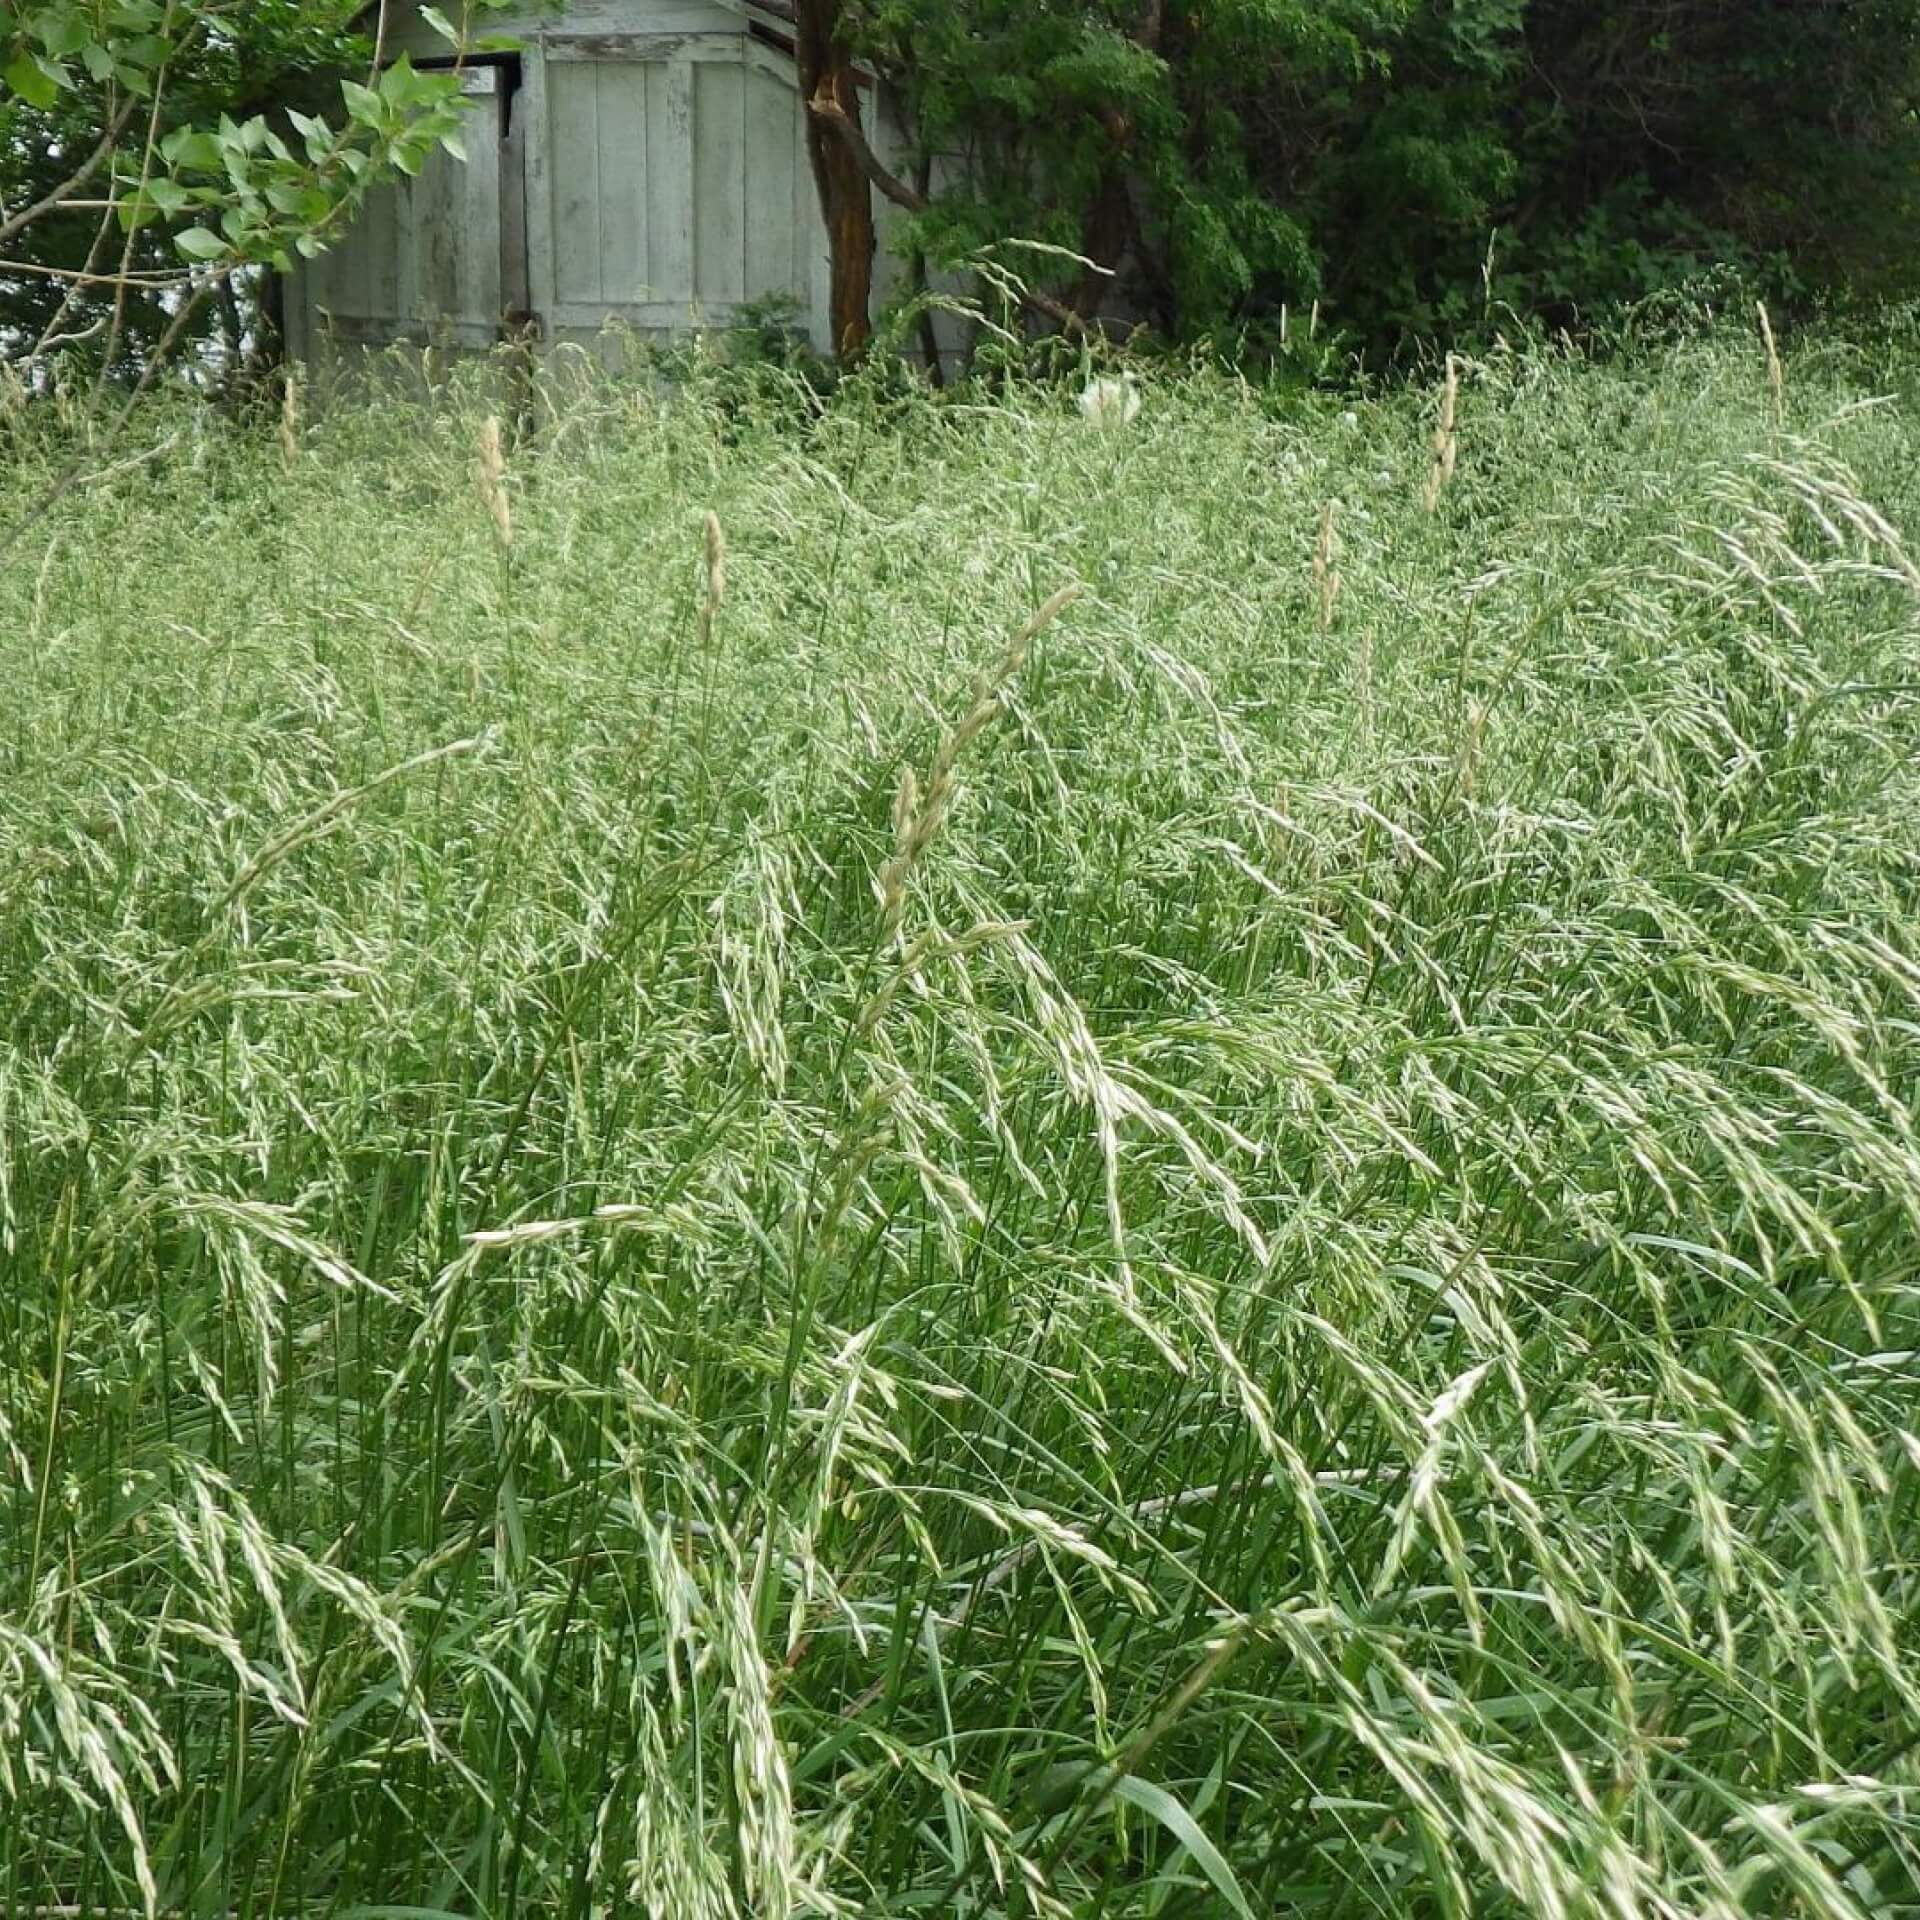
x: 917, y: 276
x: 825, y: 62
x: 1109, y: 223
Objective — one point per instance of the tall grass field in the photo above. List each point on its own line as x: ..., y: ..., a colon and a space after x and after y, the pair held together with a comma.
x: 931, y: 1158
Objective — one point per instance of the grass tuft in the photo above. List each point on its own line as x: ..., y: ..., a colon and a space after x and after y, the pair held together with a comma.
x: 704, y: 1240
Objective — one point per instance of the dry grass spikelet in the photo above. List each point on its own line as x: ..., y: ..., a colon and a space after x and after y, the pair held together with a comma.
x: 290, y: 415
x: 1472, y: 738
x: 1445, y: 441
x: 716, y: 551
x: 713, y: 552
x: 1326, y: 570
x: 490, y: 476
x: 1776, y: 372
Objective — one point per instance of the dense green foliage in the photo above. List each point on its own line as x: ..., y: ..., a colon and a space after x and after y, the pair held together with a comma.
x: 1423, y: 165
x: 140, y: 165
x: 685, y: 1227
x: 1426, y: 169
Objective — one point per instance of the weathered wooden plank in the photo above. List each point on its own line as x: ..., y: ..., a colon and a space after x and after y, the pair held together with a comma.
x: 516, y: 290
x: 466, y: 305
x: 772, y: 258
x: 437, y: 214
x: 619, y: 46
x: 721, y: 182
x: 644, y: 316
x: 296, y: 306
x: 625, y: 188
x: 345, y: 264
x: 382, y: 255
x: 573, y: 128
x: 411, y: 34
x: 670, y: 180
x: 306, y: 295
x: 477, y: 262
x: 533, y: 115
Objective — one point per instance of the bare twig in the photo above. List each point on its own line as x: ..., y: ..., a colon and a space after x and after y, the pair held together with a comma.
x: 139, y: 459
x: 49, y: 341
x: 19, y: 222
x: 50, y: 334
x: 81, y: 278
x: 889, y: 184
x: 147, y: 151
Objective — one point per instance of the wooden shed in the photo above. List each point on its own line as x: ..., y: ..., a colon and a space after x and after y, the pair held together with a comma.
x: 636, y: 164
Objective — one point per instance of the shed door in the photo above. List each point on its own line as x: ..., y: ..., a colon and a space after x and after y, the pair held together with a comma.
x: 667, y: 182
x: 426, y: 261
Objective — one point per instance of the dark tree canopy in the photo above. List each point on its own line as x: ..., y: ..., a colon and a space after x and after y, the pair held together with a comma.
x: 1420, y: 167
x: 1414, y: 161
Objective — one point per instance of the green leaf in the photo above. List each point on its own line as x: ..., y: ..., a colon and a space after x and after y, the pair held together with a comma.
x: 62, y: 34
x: 397, y: 82
x: 189, y: 149
x: 201, y: 243
x: 1158, y: 1802
x: 30, y: 78
x: 441, y: 25
x: 147, y: 50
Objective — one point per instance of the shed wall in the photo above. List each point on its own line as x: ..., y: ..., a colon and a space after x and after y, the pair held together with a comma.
x: 427, y: 258
x: 649, y: 174
x: 672, y: 184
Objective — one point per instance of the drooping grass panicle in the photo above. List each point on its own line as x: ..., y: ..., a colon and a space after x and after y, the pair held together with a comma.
x: 1776, y: 372
x: 1268, y: 1274
x: 917, y: 812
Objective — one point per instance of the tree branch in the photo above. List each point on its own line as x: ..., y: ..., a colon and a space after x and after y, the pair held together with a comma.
x: 892, y: 187
x: 18, y: 222
x: 825, y: 107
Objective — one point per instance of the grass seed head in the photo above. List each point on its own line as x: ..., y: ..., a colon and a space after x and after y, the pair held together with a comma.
x: 290, y: 415
x: 1776, y: 372
x: 1326, y: 572
x: 490, y: 478
x: 716, y: 556
x: 1445, y: 440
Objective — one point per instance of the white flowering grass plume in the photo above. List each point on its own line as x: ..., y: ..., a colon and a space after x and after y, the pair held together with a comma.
x: 1110, y: 400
